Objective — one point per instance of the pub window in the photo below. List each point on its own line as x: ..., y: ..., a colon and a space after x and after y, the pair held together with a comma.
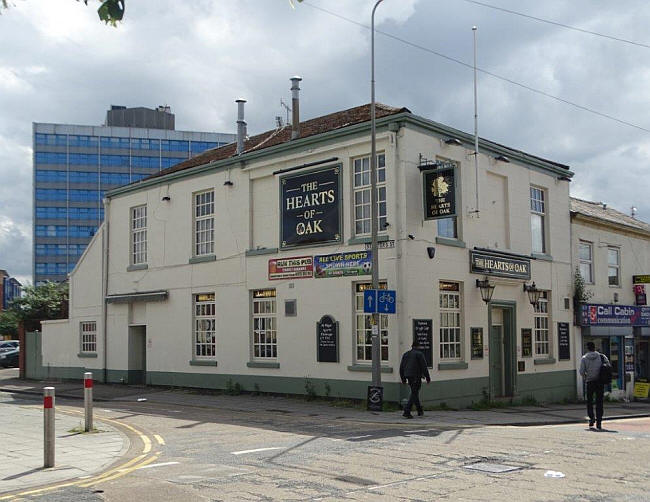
x: 363, y: 328
x: 542, y: 323
x: 204, y: 223
x: 450, y: 325
x: 138, y: 235
x: 614, y: 266
x: 88, y: 330
x: 361, y: 184
x: 205, y: 326
x: 585, y: 254
x: 265, y: 333
x: 537, y: 217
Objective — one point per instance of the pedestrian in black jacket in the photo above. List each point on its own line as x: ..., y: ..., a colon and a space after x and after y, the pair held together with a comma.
x: 413, y: 369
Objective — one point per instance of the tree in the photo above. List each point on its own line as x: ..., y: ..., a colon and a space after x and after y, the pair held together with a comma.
x: 8, y: 324
x: 40, y: 303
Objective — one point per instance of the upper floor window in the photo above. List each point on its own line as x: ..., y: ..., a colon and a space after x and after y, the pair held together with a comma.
x: 138, y: 235
x: 88, y: 336
x: 450, y: 321
x: 585, y: 255
x: 542, y: 342
x: 204, y: 223
x: 361, y: 184
x: 614, y: 266
x: 537, y: 216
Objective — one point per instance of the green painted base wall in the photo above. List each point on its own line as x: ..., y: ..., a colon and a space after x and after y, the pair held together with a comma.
x: 543, y: 387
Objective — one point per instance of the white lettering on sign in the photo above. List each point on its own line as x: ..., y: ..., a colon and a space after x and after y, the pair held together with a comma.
x: 310, y: 199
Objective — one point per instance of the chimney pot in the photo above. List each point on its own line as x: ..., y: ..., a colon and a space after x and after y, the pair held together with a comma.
x: 295, y: 107
x: 241, y: 125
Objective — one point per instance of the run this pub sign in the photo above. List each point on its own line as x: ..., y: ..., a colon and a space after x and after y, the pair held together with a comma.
x: 310, y: 209
x: 493, y: 264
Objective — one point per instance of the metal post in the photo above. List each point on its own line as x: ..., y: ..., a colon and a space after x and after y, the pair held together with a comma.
x: 88, y: 401
x: 48, y: 426
x: 376, y: 356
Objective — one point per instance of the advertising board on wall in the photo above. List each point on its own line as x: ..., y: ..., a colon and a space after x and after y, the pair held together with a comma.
x: 641, y: 284
x: 299, y: 267
x: 310, y: 207
x: 343, y: 264
x: 614, y: 315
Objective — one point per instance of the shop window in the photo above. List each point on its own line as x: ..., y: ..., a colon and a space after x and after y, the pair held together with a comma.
x: 204, y: 223
x: 138, y: 235
x: 614, y: 266
x: 361, y: 184
x: 363, y: 327
x: 585, y: 254
x: 88, y: 336
x: 205, y: 326
x: 450, y: 321
x: 537, y: 217
x: 542, y: 323
x: 265, y: 333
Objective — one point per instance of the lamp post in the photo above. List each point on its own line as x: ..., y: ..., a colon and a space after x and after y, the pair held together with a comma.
x: 376, y: 356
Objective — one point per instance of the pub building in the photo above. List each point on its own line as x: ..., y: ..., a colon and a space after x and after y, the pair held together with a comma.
x: 611, y: 252
x: 252, y: 262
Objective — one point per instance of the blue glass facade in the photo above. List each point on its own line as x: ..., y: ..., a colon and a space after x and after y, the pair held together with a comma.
x: 72, y: 173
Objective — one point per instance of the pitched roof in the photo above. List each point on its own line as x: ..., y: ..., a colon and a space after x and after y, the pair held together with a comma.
x: 308, y: 128
x: 603, y: 212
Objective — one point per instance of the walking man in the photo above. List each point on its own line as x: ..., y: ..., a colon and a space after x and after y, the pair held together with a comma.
x: 590, y: 371
x: 412, y: 369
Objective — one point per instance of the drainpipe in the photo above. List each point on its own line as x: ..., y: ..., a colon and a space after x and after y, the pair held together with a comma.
x: 105, y: 286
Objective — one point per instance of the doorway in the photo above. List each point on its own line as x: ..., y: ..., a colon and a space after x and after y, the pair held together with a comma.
x: 137, y: 355
x: 503, y: 349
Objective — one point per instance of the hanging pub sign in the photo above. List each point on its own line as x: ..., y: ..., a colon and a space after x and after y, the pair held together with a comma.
x: 310, y: 211
x: 563, y: 344
x: 482, y: 262
x: 439, y: 187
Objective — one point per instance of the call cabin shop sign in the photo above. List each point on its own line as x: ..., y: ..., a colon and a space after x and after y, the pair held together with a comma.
x: 497, y: 265
x: 310, y: 209
x: 439, y: 184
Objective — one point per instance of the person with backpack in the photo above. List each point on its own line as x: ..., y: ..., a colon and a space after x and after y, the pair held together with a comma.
x: 596, y: 371
x: 413, y: 369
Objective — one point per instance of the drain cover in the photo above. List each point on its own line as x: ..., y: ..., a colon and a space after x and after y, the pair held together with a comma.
x: 491, y: 467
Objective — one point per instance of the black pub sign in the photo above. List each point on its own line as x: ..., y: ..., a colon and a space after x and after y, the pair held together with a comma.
x: 423, y: 338
x: 482, y: 262
x: 310, y: 207
x: 327, y: 340
x: 439, y: 187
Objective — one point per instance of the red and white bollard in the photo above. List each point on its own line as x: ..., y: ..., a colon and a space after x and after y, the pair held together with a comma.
x: 48, y: 426
x: 88, y: 401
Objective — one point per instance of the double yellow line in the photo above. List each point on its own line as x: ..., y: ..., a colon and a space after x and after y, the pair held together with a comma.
x: 115, y: 472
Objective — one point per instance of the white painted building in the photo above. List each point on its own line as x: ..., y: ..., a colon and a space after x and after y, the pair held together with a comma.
x: 216, y: 271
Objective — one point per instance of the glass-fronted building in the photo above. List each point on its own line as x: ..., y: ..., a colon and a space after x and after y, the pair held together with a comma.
x: 74, y: 165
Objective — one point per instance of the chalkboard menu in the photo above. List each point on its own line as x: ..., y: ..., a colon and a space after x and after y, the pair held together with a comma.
x: 327, y: 340
x: 477, y: 343
x: 423, y: 337
x: 563, y: 344
x: 526, y: 342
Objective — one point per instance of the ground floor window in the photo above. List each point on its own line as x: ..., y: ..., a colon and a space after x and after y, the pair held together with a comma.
x: 363, y: 327
x: 265, y: 341
x: 205, y: 326
x: 450, y: 321
x: 88, y: 336
x: 542, y: 343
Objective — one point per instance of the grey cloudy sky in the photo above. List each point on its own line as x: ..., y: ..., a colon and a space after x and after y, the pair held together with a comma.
x: 58, y: 63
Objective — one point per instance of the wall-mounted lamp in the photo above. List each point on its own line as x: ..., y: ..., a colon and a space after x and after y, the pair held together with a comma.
x: 431, y: 251
x: 411, y: 236
x: 228, y: 183
x: 487, y: 289
x: 502, y: 158
x: 453, y: 141
x: 166, y: 198
x: 533, y: 293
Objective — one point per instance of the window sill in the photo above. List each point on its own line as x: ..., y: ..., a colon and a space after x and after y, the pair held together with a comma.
x: 262, y: 364
x: 548, y: 360
x: 140, y: 266
x: 542, y: 256
x: 201, y: 362
x: 366, y: 240
x: 448, y: 241
x: 367, y: 368
x: 203, y: 259
x: 460, y: 365
x: 615, y: 286
x: 87, y: 354
x: 261, y: 251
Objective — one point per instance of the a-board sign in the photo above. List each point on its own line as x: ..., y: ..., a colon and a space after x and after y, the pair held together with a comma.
x: 327, y: 340
x: 563, y: 341
x: 423, y: 337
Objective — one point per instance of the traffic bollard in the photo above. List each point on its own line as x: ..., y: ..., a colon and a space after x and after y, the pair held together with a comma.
x: 88, y: 401
x: 48, y: 426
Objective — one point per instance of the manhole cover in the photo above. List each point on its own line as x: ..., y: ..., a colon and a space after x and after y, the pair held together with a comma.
x: 491, y: 467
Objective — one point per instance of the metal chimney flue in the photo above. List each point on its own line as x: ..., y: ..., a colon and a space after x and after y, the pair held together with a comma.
x: 295, y: 107
x: 241, y: 125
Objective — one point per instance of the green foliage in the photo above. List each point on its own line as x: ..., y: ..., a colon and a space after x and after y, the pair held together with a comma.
x: 256, y: 389
x: 40, y: 303
x: 233, y: 388
x: 310, y: 390
x: 8, y: 323
x: 580, y: 293
x: 328, y: 389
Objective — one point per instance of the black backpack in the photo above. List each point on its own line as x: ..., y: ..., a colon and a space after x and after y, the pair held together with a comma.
x: 605, y: 375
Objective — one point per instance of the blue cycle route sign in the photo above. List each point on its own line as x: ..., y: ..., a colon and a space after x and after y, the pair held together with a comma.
x: 370, y: 301
x: 387, y: 301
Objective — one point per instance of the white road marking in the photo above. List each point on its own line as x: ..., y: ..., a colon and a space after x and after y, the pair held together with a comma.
x: 242, y: 452
x: 157, y: 465
x: 359, y: 437
x: 419, y: 430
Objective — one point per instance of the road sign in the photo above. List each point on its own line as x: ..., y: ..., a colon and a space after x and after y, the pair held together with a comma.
x: 386, y: 301
x: 370, y: 301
